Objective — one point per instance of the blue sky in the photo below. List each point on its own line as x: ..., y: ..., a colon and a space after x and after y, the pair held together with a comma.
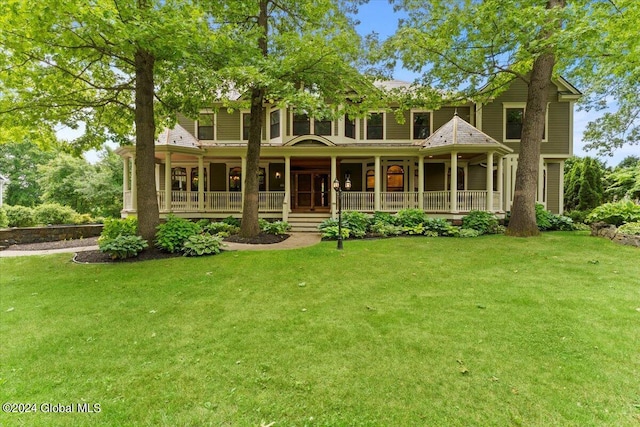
x: 378, y: 16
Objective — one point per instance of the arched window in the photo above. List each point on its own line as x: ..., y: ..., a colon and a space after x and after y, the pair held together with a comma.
x: 178, y: 179
x: 235, y: 179
x: 395, y: 178
x: 371, y: 180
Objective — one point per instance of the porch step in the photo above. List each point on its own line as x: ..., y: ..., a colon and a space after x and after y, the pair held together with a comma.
x: 307, y: 222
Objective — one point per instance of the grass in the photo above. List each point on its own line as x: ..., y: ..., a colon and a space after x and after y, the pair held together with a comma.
x: 406, y: 331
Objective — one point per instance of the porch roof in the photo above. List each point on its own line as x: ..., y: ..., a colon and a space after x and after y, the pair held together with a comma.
x: 459, y: 135
x: 178, y: 136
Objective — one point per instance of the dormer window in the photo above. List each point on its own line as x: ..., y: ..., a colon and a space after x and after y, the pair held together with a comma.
x: 301, y: 124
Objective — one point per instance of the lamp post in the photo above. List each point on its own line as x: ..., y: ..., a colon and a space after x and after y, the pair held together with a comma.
x: 336, y: 186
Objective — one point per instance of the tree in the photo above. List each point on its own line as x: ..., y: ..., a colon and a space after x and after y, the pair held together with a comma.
x: 624, y: 180
x: 101, y: 186
x: 59, y: 180
x: 289, y: 53
x: 19, y: 161
x: 583, y: 186
x: 96, y: 63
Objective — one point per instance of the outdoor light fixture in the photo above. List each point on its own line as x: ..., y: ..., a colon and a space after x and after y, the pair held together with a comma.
x: 278, y: 175
x: 336, y: 186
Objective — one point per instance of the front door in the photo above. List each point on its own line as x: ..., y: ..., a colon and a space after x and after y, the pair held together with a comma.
x: 311, y: 191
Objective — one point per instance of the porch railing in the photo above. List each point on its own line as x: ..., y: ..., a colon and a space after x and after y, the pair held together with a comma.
x: 127, y: 202
x: 436, y: 201
x: 472, y: 200
x: 362, y: 201
x: 396, y: 201
x: 270, y: 201
x: 219, y: 201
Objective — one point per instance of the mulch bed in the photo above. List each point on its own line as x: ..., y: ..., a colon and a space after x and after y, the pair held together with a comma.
x: 260, y: 239
x: 97, y: 257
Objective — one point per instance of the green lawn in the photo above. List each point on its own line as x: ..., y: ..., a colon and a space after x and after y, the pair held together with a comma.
x: 397, y: 332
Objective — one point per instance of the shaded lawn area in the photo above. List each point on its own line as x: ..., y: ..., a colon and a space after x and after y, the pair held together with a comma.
x: 405, y: 331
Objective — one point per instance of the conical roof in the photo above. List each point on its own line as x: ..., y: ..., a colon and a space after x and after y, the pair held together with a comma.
x: 177, y: 136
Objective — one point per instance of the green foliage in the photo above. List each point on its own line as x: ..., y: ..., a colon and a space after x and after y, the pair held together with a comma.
x: 329, y: 222
x: 414, y: 230
x: 60, y: 180
x: 202, y: 244
x: 220, y: 227
x: 411, y: 217
x: 357, y: 222
x: 19, y: 162
x: 578, y: 216
x: 174, y: 232
x: 384, y: 229
x: 468, y: 232
x: 275, y: 227
x: 481, y: 221
x: 202, y: 223
x: 384, y: 217
x: 438, y: 225
x: 623, y: 181
x: 124, y: 246
x: 616, y: 213
x: 101, y: 185
x: 583, y: 188
x: 232, y: 221
x: 561, y: 223
x: 54, y: 213
x: 114, y: 227
x: 331, y: 232
x: 4, y: 220
x: 83, y: 219
x: 20, y: 216
x: 543, y: 217
x: 630, y: 228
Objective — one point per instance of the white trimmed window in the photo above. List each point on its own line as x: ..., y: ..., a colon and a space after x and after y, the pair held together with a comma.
x: 513, y: 119
x: 206, y: 126
x: 420, y: 124
x: 375, y: 126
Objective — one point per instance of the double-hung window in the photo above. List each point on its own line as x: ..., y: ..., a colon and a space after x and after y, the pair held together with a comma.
x: 301, y: 124
x: 421, y: 125
x: 349, y: 127
x: 274, y: 120
x: 375, y: 126
x: 513, y: 115
x: 205, y: 127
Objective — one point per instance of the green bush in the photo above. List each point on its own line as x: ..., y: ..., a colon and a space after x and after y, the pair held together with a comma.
x: 411, y: 217
x: 357, y: 222
x: 331, y: 232
x: 578, y: 216
x: 329, y: 222
x: 124, y: 246
x: 630, y: 229
x: 384, y: 217
x: 202, y: 223
x: 232, y: 221
x: 202, y: 244
x: 174, y: 232
x: 468, y: 232
x: 384, y: 229
x: 83, y: 219
x: 616, y: 213
x: 543, y: 217
x: 481, y: 221
x: 54, y: 213
x: 561, y: 223
x: 276, y: 227
x: 438, y: 225
x: 20, y: 216
x: 221, y: 227
x: 114, y: 227
x: 4, y: 219
x: 415, y: 230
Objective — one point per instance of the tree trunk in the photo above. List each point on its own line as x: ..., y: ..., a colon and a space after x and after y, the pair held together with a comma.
x: 523, y: 211
x: 250, y: 226
x: 148, y: 214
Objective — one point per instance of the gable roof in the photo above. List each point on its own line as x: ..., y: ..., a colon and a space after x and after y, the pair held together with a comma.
x: 457, y: 134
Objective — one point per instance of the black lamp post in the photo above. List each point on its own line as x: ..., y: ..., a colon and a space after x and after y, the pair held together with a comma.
x: 336, y: 186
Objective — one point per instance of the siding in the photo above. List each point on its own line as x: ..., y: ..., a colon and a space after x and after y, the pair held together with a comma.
x: 553, y: 187
x: 228, y: 125
x: 434, y: 176
x: 477, y: 178
x: 161, y: 172
x: 218, y: 177
x: 355, y: 171
x: 443, y: 115
x: 396, y: 130
x: 188, y: 124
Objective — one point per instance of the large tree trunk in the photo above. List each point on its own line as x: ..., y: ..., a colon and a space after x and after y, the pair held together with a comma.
x: 148, y: 214
x: 250, y: 226
x: 523, y: 211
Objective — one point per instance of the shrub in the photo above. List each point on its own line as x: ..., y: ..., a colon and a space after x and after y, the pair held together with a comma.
x: 221, y: 227
x: 578, y: 216
x: 232, y: 221
x: 415, y: 230
x: 276, y: 227
x: 202, y: 244
x: 4, y: 220
x: 331, y: 232
x: 384, y: 217
x: 411, y: 217
x: 430, y: 233
x: 616, y: 213
x: 438, y: 225
x: 356, y: 222
x: 202, y: 223
x: 383, y: 229
x: 114, y: 227
x: 54, y: 213
x: 83, y: 219
x: 451, y: 231
x: 630, y: 229
x: 124, y: 246
x: 174, y: 232
x: 481, y: 221
x: 543, y: 217
x: 468, y: 232
x: 20, y: 216
x: 561, y: 223
x: 329, y: 222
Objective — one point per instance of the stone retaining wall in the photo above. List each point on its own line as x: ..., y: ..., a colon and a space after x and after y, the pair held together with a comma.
x: 602, y: 229
x: 14, y: 236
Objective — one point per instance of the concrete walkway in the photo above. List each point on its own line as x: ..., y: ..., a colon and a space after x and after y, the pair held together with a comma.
x: 295, y: 240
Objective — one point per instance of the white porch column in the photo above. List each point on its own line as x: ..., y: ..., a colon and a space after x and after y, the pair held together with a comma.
x: 243, y: 169
x: 454, y: 182
x: 134, y: 185
x: 334, y: 196
x: 490, y: 181
x: 500, y: 184
x: 541, y: 181
x: 126, y: 179
x: 376, y: 185
x: 201, y: 179
x: 421, y: 182
x: 561, y: 192
x: 167, y: 182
